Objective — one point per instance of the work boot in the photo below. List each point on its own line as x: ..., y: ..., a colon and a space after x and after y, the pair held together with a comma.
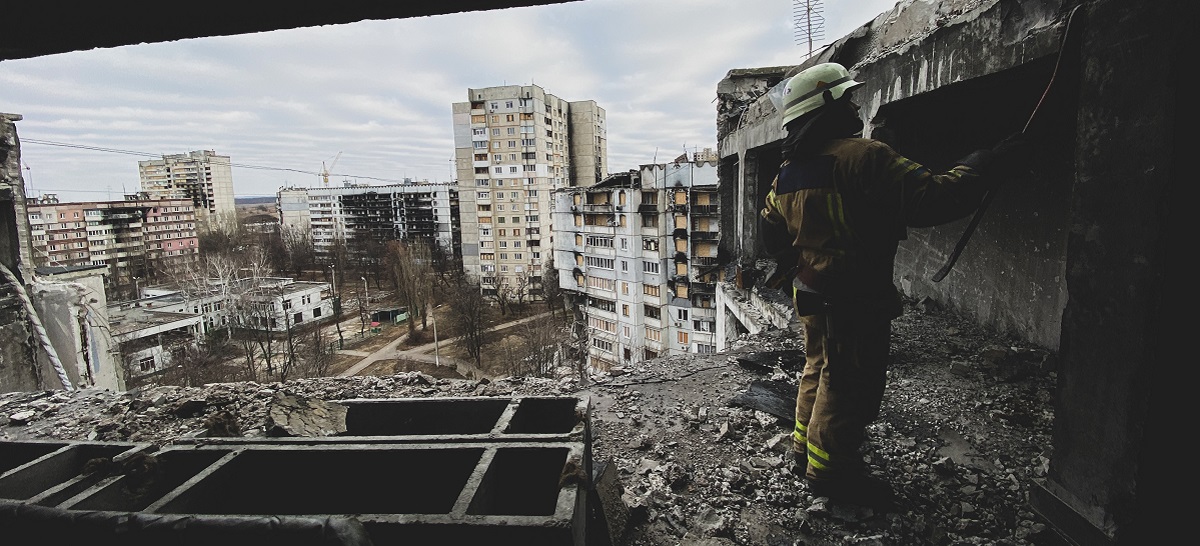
x: 855, y: 489
x: 798, y: 463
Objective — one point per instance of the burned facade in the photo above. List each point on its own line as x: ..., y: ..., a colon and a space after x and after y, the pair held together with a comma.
x: 1066, y: 256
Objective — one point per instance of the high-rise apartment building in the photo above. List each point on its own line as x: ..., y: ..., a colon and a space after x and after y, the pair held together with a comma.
x: 203, y: 176
x: 636, y: 255
x: 513, y: 146
x: 355, y: 213
x: 141, y: 239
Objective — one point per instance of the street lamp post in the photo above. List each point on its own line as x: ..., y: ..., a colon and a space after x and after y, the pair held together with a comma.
x: 333, y: 278
x: 366, y: 294
x: 437, y: 361
x: 136, y: 295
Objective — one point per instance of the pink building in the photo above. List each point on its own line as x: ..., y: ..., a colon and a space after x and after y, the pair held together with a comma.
x: 141, y: 239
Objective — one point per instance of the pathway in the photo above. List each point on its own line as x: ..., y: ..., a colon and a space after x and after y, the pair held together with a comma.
x: 420, y: 352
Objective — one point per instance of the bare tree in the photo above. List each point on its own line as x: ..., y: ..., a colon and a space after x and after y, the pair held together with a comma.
x: 411, y: 266
x: 468, y: 306
x: 540, y: 346
x: 551, y: 292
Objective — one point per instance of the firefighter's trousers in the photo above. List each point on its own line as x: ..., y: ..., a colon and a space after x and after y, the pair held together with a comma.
x: 841, y: 389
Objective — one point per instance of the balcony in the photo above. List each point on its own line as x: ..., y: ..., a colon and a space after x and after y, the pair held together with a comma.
x: 706, y: 210
x: 704, y: 261
x: 704, y: 235
x: 650, y: 208
x: 598, y: 207
x: 679, y: 208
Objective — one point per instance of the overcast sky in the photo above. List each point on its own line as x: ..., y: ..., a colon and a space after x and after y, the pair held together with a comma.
x: 282, y: 103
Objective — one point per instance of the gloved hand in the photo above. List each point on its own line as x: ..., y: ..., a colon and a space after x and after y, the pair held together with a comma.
x: 1015, y: 148
x: 1008, y: 156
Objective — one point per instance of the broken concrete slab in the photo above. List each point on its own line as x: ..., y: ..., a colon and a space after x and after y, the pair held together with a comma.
x: 309, y: 417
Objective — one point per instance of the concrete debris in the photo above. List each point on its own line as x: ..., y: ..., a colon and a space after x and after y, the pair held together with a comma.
x: 308, y: 417
x: 960, y: 451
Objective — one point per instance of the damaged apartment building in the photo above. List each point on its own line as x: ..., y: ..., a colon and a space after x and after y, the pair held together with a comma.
x: 1074, y: 256
x: 637, y: 256
x: 1080, y: 256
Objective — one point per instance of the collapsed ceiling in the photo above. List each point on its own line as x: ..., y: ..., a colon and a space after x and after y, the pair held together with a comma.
x: 33, y: 29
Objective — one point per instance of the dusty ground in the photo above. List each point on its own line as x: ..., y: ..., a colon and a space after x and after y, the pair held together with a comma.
x: 963, y: 436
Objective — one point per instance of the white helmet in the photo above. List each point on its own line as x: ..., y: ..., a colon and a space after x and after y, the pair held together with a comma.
x: 805, y: 91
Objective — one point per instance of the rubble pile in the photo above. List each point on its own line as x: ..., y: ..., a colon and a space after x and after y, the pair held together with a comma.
x: 700, y: 443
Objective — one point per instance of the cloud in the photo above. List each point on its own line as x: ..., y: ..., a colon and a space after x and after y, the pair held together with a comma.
x: 381, y: 92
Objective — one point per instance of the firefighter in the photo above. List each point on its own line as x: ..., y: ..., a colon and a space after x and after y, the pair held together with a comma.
x: 835, y: 214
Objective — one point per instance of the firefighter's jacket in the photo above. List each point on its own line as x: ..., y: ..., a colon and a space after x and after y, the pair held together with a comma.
x: 846, y: 207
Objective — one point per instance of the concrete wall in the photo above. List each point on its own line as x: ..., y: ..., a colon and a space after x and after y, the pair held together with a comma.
x: 18, y: 369
x: 1073, y: 256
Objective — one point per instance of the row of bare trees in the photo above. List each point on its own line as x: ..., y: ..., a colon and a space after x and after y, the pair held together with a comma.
x: 423, y: 276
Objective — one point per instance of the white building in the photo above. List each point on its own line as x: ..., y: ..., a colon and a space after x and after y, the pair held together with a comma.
x: 514, y: 145
x: 356, y: 212
x: 637, y: 255
x: 203, y: 176
x: 267, y: 303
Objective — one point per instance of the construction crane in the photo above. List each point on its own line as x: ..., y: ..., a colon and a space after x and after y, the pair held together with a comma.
x: 325, y: 170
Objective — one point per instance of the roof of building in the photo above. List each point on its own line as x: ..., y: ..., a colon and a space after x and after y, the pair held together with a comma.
x: 60, y: 269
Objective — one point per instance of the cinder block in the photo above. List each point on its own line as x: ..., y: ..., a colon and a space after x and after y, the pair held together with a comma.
x: 407, y: 471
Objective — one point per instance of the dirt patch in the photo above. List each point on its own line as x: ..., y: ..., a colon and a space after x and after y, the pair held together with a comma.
x: 342, y: 363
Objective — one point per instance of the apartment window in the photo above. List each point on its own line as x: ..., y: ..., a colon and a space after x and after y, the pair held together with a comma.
x: 485, y: 208
x: 486, y: 232
x: 682, y: 314
x: 488, y: 256
x: 516, y: 219
x: 497, y: 157
x: 528, y: 142
x: 531, y: 193
x: 479, y: 131
x: 603, y: 345
x: 624, y: 310
x: 532, y: 218
x: 499, y: 170
x: 496, y: 131
x: 528, y: 167
x: 510, y: 117
x: 513, y: 168
x: 316, y: 312
x: 624, y: 266
x: 706, y: 349
x: 596, y: 261
x: 651, y: 311
x: 508, y: 104
x: 305, y: 300
x: 485, y: 244
x: 512, y: 131
x: 482, y: 182
x: 287, y: 304
x: 651, y: 290
x: 503, y: 256
x: 602, y: 284
x: 682, y: 337
x: 481, y: 145
x: 650, y: 267
x: 298, y: 318
x: 596, y: 240
x: 626, y: 332
x: 624, y: 244
x: 653, y: 334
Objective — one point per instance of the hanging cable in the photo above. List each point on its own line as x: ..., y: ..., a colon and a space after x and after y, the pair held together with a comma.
x: 37, y: 326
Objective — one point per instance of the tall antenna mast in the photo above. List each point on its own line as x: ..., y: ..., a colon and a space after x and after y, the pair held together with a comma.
x: 808, y: 23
